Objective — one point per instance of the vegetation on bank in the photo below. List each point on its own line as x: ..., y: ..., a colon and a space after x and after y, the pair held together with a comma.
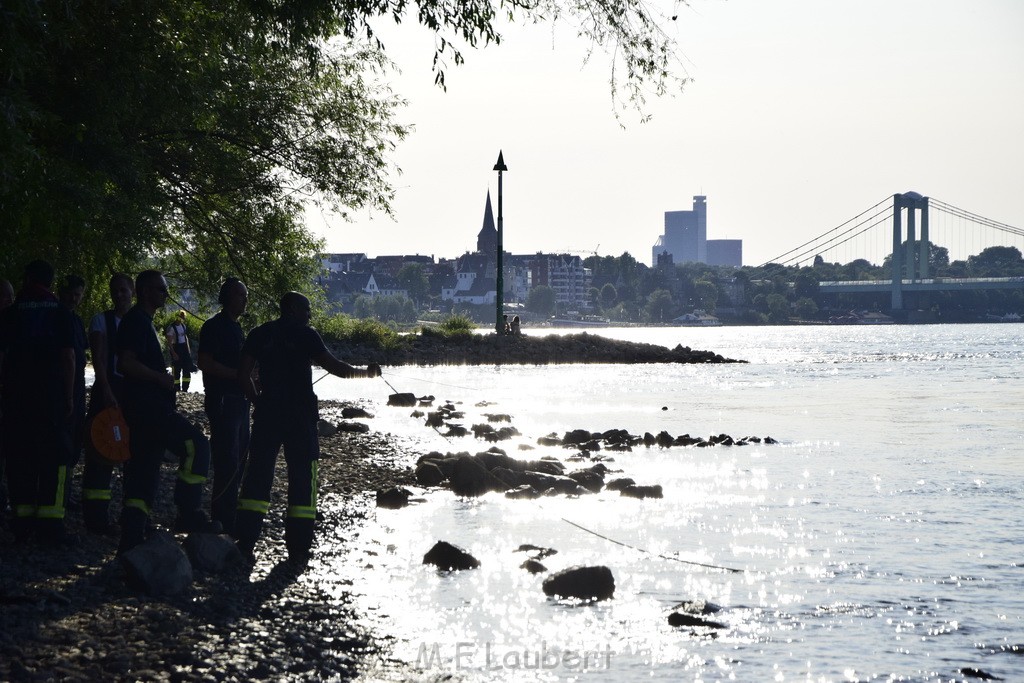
x: 630, y: 292
x: 193, y: 136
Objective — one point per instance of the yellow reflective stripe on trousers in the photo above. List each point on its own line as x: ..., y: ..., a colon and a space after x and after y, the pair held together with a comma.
x: 250, y: 505
x: 185, y: 471
x: 22, y: 511
x: 96, y: 494
x: 308, y: 511
x: 302, y: 512
x: 137, y: 503
x: 56, y: 509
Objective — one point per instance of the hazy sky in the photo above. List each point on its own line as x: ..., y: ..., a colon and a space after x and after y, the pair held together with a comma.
x: 800, y: 115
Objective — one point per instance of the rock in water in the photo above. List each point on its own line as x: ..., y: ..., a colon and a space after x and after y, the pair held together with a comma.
x: 585, y: 583
x: 680, y: 619
x: 450, y: 557
x: 402, y: 400
x: 394, y: 498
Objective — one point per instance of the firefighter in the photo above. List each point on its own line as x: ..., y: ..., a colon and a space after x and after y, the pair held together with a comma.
x: 220, y: 350
x: 155, y: 426
x: 98, y: 471
x: 37, y: 361
x: 284, y: 414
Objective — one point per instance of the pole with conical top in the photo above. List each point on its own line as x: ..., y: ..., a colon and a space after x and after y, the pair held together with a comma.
x: 499, y: 322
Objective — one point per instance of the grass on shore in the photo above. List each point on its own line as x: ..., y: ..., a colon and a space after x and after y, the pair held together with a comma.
x: 345, y: 329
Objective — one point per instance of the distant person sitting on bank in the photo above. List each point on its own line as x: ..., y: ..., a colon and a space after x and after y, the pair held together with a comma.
x: 516, y: 331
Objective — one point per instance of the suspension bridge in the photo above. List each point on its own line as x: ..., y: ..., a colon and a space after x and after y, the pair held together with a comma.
x: 915, y: 234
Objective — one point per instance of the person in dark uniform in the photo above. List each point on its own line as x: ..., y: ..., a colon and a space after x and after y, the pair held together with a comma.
x: 70, y: 294
x: 285, y: 413
x: 220, y: 351
x: 181, y: 353
x: 37, y: 362
x: 97, y: 473
x: 154, y: 426
x: 6, y: 299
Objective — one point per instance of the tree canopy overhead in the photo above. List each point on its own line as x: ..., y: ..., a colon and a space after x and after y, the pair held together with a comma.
x: 188, y: 134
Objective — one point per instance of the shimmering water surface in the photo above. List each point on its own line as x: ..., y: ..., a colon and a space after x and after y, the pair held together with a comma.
x: 881, y: 539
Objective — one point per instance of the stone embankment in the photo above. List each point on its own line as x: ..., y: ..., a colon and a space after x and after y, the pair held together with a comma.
x: 491, y: 349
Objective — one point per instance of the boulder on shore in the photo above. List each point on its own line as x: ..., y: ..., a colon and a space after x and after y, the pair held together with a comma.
x: 212, y: 553
x: 158, y: 566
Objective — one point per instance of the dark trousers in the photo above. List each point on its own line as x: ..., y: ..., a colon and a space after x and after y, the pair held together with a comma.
x: 37, y: 449
x: 229, y: 448
x: 97, y: 473
x: 149, y: 436
x: 182, y: 367
x: 295, y: 429
x: 96, y: 491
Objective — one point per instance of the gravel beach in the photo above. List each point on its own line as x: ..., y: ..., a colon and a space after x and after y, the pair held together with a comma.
x: 67, y: 615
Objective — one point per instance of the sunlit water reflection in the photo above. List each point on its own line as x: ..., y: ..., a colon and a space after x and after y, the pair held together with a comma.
x: 880, y: 539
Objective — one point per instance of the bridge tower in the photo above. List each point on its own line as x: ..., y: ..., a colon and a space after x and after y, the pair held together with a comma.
x: 917, y: 258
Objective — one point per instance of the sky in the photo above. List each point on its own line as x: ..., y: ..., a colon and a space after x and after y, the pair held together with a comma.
x: 799, y: 115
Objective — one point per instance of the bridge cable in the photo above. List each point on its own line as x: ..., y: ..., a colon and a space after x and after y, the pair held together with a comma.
x: 831, y: 243
x: 815, y: 239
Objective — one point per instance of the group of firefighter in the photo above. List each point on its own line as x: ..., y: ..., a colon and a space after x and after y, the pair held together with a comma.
x: 258, y: 396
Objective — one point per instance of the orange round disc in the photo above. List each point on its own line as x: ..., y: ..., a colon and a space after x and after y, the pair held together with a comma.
x: 109, y: 434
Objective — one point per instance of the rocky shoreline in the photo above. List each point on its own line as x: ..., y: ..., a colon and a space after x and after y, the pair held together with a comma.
x: 491, y: 349
x: 66, y: 613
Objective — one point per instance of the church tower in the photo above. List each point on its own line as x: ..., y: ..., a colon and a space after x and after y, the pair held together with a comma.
x: 487, y: 239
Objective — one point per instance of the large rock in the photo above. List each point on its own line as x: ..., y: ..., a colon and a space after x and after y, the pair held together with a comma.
x: 683, y: 619
x: 429, y: 474
x: 620, y: 483
x: 524, y: 492
x: 584, y: 583
x: 350, y: 413
x: 450, y: 557
x: 577, y: 437
x: 354, y: 427
x: 588, y: 479
x: 635, y: 491
x: 325, y: 428
x: 393, y: 498
x: 471, y: 478
x: 158, y: 566
x: 212, y: 553
x: 402, y: 400
x: 544, y: 482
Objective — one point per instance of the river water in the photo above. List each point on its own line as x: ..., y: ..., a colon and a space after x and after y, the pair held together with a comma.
x: 882, y: 538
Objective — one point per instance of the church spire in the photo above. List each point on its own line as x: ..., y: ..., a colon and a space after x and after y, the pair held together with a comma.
x: 487, y: 239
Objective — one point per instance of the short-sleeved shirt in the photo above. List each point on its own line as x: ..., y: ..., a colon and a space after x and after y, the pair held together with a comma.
x: 101, y: 323
x: 222, y: 338
x: 179, y: 332
x: 284, y: 351
x: 34, y: 331
x: 137, y: 333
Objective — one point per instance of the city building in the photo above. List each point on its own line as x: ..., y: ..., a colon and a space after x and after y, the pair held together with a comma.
x: 686, y: 239
x: 725, y: 253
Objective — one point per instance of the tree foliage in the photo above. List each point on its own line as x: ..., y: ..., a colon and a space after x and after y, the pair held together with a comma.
x: 189, y: 134
x: 541, y: 300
